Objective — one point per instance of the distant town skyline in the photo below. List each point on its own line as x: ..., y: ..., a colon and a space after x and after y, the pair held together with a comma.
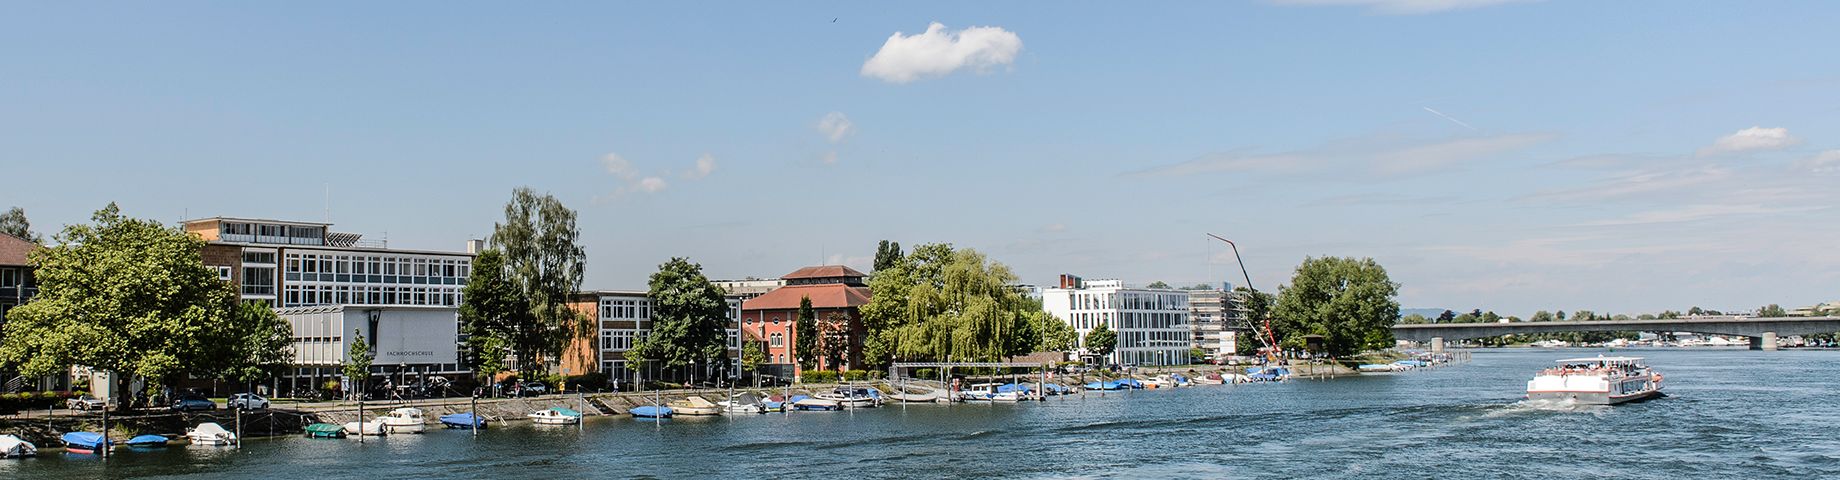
x: 1504, y: 155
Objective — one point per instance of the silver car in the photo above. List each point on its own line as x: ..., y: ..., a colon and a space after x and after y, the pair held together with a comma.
x: 247, y: 401
x: 86, y: 402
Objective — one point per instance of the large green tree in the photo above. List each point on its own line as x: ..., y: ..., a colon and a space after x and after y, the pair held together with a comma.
x: 132, y: 296
x: 1348, y: 301
x: 1101, y: 340
x: 13, y: 222
x: 491, y: 311
x: 1772, y: 310
x: 544, y: 261
x: 689, y: 319
x: 940, y: 303
x: 805, y: 336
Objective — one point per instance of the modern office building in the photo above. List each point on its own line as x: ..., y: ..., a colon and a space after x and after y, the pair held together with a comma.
x: 622, y: 319
x: 330, y: 285
x: 749, y: 287
x: 1152, y: 324
x: 836, y: 293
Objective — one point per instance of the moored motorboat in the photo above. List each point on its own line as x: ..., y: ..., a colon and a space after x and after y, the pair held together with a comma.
x: 403, y: 420
x: 84, y: 442
x: 802, y: 402
x: 989, y: 392
x: 464, y: 420
x: 650, y: 411
x: 743, y: 403
x: 147, y: 441
x: 15, y: 447
x: 555, y: 416
x: 210, y: 433
x: 853, y: 396
x: 372, y: 428
x: 694, y: 406
x: 325, y: 430
x: 1211, y: 379
x: 1596, y: 381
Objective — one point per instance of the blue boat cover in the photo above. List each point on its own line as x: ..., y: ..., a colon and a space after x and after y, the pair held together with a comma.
x: 650, y: 411
x: 796, y: 398
x: 1054, y: 387
x: 463, y: 419
x: 566, y: 411
x: 147, y: 440
x: 1130, y: 382
x: 1013, y: 387
x: 89, y: 440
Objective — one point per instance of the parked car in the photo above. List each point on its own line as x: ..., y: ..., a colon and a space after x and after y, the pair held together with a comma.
x: 192, y: 404
x: 246, y: 401
x: 531, y: 388
x: 86, y: 402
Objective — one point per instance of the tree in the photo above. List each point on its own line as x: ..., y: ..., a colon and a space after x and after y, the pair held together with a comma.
x: 1541, y: 316
x: 1489, y: 317
x: 887, y: 254
x: 835, y: 344
x: 491, y: 310
x: 1772, y: 310
x: 805, y: 336
x: 1349, y: 302
x: 133, y: 297
x: 1447, y: 317
x: 1157, y: 284
x: 1101, y: 340
x: 1560, y: 316
x: 689, y: 319
x: 1056, y: 335
x: 753, y: 355
x: 1414, y: 319
x: 1200, y: 286
x: 1197, y: 354
x: 1583, y: 316
x: 941, y: 303
x: 1695, y: 311
x: 358, y: 363
x: 544, y: 262
x: 14, y: 223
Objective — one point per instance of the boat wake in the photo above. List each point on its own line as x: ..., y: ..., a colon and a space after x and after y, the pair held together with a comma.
x: 1529, y: 406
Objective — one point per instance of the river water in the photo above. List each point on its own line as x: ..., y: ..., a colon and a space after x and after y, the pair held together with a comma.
x: 1729, y: 414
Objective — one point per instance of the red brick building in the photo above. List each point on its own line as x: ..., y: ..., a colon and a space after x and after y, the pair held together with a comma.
x: 836, y: 293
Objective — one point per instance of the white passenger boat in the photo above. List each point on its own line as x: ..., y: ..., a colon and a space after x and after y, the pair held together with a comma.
x: 1596, y: 381
x: 403, y: 420
x: 209, y: 433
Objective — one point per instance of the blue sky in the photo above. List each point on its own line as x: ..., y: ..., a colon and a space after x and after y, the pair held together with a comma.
x: 1504, y: 155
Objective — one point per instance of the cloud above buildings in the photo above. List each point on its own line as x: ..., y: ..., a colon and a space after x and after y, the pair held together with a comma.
x: 835, y: 127
x: 705, y: 165
x: 1822, y: 163
x: 939, y: 52
x: 1402, y: 7
x: 632, y: 180
x: 1365, y: 157
x: 1752, y: 140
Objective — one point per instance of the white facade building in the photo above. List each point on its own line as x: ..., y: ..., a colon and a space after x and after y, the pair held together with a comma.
x: 1152, y: 324
x: 405, y: 340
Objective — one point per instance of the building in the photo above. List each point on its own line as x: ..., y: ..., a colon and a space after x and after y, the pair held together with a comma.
x: 17, y: 285
x: 404, y: 301
x: 836, y: 293
x: 408, y: 342
x: 1213, y: 325
x: 622, y: 319
x: 749, y: 287
x: 1152, y: 324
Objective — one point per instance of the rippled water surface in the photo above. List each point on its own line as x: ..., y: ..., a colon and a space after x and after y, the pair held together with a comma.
x: 1729, y: 414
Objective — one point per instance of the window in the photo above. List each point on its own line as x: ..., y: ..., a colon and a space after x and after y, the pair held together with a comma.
x: 259, y: 257
x: 223, y: 273
x: 777, y: 340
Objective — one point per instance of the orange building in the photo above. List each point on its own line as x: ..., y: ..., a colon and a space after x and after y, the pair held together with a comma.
x: 836, y: 293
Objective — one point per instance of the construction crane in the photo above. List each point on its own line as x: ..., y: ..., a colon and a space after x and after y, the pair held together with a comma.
x: 1268, y: 340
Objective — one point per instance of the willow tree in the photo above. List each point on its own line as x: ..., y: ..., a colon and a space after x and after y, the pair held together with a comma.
x: 133, y: 297
x: 544, y: 261
x: 939, y: 303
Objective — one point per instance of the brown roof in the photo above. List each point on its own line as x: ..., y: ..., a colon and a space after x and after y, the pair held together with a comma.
x: 13, y: 249
x: 827, y: 295
x: 824, y: 271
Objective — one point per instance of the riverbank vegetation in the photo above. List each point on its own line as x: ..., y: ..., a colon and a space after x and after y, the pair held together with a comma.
x: 938, y: 303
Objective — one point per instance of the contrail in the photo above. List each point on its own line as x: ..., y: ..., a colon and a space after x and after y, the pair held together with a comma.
x: 1452, y: 120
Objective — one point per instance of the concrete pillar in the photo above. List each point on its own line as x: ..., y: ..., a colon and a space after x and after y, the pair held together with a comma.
x: 1769, y: 341
x: 1437, y: 344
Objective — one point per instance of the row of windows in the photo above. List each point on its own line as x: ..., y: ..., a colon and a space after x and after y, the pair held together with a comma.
x: 299, y: 295
x: 377, y: 269
x: 627, y: 309
x: 1130, y: 301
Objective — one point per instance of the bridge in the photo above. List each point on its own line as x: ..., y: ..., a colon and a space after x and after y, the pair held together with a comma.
x: 1762, y: 331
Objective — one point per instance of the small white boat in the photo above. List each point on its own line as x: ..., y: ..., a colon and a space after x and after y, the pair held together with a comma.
x: 1596, y: 381
x: 209, y: 433
x: 801, y: 402
x: 403, y: 420
x: 853, y: 397
x: 555, y: 416
x: 373, y: 428
x: 693, y: 406
x: 989, y: 392
x: 14, y: 447
x: 1211, y: 379
x: 743, y: 403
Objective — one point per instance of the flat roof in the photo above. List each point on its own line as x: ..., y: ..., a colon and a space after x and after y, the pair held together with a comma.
x: 255, y: 220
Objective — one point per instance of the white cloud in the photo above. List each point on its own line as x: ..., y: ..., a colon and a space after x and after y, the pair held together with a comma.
x: 1825, y: 162
x: 939, y: 52
x: 1054, y: 228
x: 1351, y: 156
x: 705, y: 165
x: 1638, y: 184
x: 829, y: 158
x: 836, y: 126
x: 1401, y: 7
x: 619, y: 166
x: 651, y: 185
x: 1442, y: 154
x: 1752, y: 139
x: 1690, y: 213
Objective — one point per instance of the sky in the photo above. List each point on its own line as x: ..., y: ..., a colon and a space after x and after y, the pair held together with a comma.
x: 1511, y: 156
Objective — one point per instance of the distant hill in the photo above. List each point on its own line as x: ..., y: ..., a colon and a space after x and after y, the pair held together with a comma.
x: 1427, y: 312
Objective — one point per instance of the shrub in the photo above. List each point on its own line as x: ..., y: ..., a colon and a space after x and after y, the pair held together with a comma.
x: 926, y: 373
x: 856, y: 375
x: 819, y: 376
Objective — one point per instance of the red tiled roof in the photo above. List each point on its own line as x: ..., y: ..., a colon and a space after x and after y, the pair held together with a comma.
x: 13, y: 249
x: 827, y: 295
x: 824, y: 271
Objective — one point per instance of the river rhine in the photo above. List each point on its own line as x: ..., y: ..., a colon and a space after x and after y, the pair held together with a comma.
x: 1729, y: 414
